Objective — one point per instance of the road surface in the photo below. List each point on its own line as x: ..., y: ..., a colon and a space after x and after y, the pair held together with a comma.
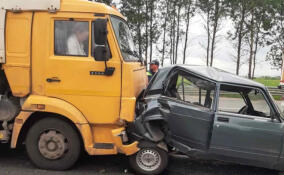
x: 15, y: 162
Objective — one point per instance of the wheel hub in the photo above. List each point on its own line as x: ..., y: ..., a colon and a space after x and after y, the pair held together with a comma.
x: 52, y: 144
x: 148, y: 159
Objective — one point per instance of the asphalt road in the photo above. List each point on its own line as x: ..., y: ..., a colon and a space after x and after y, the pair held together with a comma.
x: 15, y: 162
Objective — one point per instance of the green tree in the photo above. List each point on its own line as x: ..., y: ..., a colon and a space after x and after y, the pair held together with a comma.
x: 238, y: 10
x: 213, y: 11
x: 276, y: 53
x: 251, y: 21
x: 189, y: 10
x: 257, y: 27
x: 134, y: 11
x: 105, y: 1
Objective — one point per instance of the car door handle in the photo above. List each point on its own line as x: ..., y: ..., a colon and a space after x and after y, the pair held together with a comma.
x: 223, y: 119
x: 53, y: 79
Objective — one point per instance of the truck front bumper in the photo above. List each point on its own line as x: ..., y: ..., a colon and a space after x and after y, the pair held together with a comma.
x: 118, y: 135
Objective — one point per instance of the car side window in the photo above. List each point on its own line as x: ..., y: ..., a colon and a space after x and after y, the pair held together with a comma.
x: 192, y: 89
x: 243, y: 100
x: 259, y: 103
x: 71, y: 38
x: 230, y: 101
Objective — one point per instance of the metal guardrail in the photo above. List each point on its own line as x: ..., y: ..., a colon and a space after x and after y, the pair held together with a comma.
x: 275, y: 91
x: 272, y: 90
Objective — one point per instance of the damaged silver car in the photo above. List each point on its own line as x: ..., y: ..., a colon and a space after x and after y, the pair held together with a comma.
x: 206, y: 113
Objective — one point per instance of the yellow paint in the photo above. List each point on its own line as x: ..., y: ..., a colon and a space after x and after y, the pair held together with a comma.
x: 134, y: 81
x: 18, y: 52
x: 18, y: 124
x: 98, y: 105
x: 125, y: 149
x: 54, y: 105
x: 127, y: 111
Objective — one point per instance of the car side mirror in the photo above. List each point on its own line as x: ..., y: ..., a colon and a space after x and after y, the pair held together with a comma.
x: 100, y: 38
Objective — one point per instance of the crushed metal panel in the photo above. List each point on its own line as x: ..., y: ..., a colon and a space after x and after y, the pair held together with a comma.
x: 30, y: 4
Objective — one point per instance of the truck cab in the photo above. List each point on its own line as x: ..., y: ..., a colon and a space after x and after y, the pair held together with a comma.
x: 70, y: 77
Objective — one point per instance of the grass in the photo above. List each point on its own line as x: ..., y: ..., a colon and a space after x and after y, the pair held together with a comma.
x: 268, y: 82
x: 276, y: 97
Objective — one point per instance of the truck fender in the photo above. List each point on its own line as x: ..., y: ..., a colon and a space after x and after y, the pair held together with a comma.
x: 44, y: 104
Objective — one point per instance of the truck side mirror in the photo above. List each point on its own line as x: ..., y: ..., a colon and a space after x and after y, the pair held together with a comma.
x: 100, y: 38
x: 100, y: 53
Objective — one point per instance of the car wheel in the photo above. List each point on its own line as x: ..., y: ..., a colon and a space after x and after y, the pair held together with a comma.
x: 53, y: 144
x: 150, y: 160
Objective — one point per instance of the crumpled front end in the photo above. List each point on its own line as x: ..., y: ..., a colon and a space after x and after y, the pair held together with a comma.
x: 151, y: 121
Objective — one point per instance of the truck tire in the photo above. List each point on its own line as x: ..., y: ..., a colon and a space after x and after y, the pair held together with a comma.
x: 53, y: 144
x: 149, y: 161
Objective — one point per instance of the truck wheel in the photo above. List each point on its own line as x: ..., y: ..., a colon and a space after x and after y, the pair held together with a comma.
x: 53, y: 144
x: 149, y: 161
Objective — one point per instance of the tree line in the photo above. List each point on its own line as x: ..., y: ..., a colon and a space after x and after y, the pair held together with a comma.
x: 163, y: 26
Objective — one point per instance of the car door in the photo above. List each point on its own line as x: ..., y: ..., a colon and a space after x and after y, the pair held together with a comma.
x: 252, y: 138
x: 72, y: 74
x: 189, y: 119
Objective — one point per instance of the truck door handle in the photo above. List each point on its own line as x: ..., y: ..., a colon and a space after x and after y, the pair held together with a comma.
x: 53, y: 79
x: 223, y: 119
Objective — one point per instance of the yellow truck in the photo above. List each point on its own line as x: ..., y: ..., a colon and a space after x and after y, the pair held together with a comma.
x: 70, y: 77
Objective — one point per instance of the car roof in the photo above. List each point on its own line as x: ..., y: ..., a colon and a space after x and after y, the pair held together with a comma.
x: 214, y: 74
x: 219, y: 75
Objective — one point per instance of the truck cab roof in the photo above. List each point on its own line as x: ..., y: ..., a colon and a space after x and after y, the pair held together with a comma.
x: 88, y: 6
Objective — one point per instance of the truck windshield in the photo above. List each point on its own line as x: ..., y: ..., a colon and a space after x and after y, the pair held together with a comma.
x: 124, y: 39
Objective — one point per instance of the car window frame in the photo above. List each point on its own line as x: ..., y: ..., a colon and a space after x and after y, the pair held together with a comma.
x: 245, y: 115
x: 172, y: 74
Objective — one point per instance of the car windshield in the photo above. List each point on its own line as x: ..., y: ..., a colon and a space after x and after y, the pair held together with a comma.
x: 124, y: 39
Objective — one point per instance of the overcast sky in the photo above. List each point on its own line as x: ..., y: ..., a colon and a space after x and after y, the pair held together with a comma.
x: 224, y: 52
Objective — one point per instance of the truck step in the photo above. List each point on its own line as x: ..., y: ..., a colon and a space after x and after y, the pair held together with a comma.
x: 103, y: 146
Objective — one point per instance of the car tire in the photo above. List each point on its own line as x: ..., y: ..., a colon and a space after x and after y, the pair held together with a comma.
x: 156, y: 163
x: 53, y: 144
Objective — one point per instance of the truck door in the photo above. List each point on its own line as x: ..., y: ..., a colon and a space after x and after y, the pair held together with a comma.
x: 72, y: 74
x: 243, y: 127
x: 190, y: 102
